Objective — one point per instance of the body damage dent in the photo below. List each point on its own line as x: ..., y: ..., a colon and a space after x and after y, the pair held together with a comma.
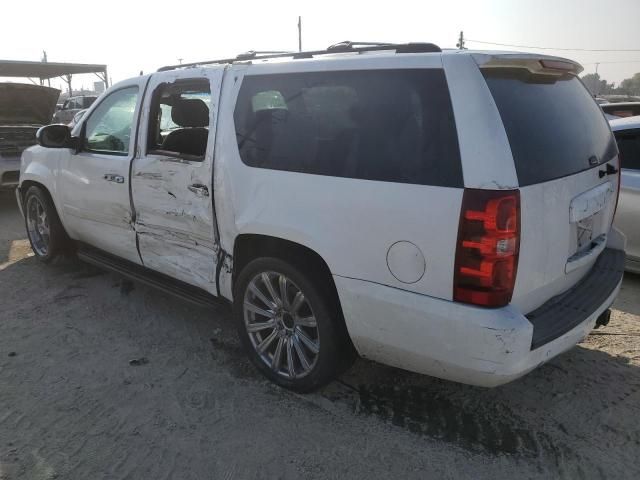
x: 224, y: 261
x: 180, y: 253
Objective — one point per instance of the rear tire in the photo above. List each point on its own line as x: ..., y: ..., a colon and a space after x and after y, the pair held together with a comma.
x: 296, y: 340
x: 45, y: 231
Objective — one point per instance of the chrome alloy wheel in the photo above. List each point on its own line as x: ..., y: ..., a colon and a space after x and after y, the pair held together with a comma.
x: 281, y: 325
x: 38, y: 226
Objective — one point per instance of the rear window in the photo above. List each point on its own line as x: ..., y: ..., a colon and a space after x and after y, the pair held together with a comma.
x: 554, y: 126
x: 388, y: 125
x: 629, y: 145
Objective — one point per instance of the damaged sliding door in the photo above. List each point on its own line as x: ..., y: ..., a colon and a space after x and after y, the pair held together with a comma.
x: 171, y: 176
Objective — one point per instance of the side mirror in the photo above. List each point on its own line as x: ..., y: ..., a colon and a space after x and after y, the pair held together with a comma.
x: 55, y: 136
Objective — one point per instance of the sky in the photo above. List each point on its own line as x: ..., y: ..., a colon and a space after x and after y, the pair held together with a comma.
x: 132, y: 36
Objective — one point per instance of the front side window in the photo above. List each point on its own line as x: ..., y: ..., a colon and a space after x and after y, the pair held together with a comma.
x: 629, y: 146
x: 108, y: 129
x: 385, y: 125
x: 179, y: 123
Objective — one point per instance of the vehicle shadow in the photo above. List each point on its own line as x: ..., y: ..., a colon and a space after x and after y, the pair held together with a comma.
x: 571, y: 408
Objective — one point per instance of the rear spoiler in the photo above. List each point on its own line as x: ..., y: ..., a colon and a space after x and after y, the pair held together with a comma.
x: 540, y: 64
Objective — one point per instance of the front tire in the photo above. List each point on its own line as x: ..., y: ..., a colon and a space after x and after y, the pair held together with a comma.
x: 290, y: 325
x: 45, y: 231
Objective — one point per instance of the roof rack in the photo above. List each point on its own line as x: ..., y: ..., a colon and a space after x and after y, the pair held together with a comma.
x: 342, y: 47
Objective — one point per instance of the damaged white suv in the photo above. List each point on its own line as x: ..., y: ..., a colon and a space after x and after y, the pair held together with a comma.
x: 445, y: 212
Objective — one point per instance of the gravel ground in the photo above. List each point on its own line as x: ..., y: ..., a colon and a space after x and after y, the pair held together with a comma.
x: 72, y: 405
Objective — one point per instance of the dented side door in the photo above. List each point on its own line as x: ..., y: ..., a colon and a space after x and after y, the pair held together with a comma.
x: 173, y: 195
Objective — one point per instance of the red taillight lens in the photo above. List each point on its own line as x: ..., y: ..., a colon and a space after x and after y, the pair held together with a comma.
x: 488, y: 246
x: 558, y: 65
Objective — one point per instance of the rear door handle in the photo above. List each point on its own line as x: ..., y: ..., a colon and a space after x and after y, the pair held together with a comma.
x: 110, y: 177
x: 199, y: 189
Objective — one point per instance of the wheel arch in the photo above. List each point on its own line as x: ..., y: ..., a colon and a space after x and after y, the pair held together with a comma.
x: 25, y: 185
x: 248, y: 247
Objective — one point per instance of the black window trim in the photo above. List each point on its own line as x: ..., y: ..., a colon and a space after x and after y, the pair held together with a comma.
x: 153, y: 115
x: 85, y: 120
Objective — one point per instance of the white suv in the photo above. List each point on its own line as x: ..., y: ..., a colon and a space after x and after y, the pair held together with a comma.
x: 445, y: 212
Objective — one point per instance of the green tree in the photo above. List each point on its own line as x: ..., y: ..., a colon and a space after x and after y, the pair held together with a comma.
x: 596, y: 85
x: 630, y: 86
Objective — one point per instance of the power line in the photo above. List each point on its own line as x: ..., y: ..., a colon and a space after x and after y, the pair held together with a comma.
x: 557, y: 48
x: 619, y: 61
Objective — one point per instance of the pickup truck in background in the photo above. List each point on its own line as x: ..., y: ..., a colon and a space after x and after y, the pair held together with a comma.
x: 23, y: 109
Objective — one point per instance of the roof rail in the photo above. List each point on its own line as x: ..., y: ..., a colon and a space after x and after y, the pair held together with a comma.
x: 342, y: 47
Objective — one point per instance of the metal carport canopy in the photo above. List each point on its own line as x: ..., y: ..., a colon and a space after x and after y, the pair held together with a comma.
x: 48, y: 70
x: 44, y: 70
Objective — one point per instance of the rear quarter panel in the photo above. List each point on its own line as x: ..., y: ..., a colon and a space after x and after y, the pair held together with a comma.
x: 350, y: 223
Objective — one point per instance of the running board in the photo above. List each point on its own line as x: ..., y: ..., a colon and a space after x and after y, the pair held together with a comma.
x: 149, y: 277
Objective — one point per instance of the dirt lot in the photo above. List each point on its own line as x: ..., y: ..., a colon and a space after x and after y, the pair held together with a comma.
x: 72, y: 406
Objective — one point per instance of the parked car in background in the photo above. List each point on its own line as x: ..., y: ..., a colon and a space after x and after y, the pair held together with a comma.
x: 76, y: 118
x: 622, y: 110
x: 71, y: 106
x: 23, y: 109
x: 445, y: 212
x: 627, y: 133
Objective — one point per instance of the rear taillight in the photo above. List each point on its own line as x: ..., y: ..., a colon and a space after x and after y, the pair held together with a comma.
x: 488, y: 245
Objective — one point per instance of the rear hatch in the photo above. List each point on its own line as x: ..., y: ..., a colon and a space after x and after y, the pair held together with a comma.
x: 567, y: 168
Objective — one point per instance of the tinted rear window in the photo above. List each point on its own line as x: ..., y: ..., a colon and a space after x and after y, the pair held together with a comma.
x: 389, y: 125
x: 629, y: 145
x: 553, y: 124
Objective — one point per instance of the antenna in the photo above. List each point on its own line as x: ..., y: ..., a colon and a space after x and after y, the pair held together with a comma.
x: 299, y: 34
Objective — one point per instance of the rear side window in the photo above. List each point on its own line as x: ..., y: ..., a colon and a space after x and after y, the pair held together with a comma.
x: 554, y: 126
x: 388, y: 125
x: 629, y: 145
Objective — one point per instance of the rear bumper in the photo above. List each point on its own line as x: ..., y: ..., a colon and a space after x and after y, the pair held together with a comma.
x: 477, y: 346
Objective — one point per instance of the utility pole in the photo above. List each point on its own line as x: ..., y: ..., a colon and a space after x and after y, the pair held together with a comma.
x: 460, y: 43
x: 44, y: 60
x: 597, y: 89
x: 299, y: 34
x: 180, y: 60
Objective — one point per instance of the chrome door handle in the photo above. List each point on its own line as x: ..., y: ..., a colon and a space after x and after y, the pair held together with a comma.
x: 110, y: 177
x: 199, y: 189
